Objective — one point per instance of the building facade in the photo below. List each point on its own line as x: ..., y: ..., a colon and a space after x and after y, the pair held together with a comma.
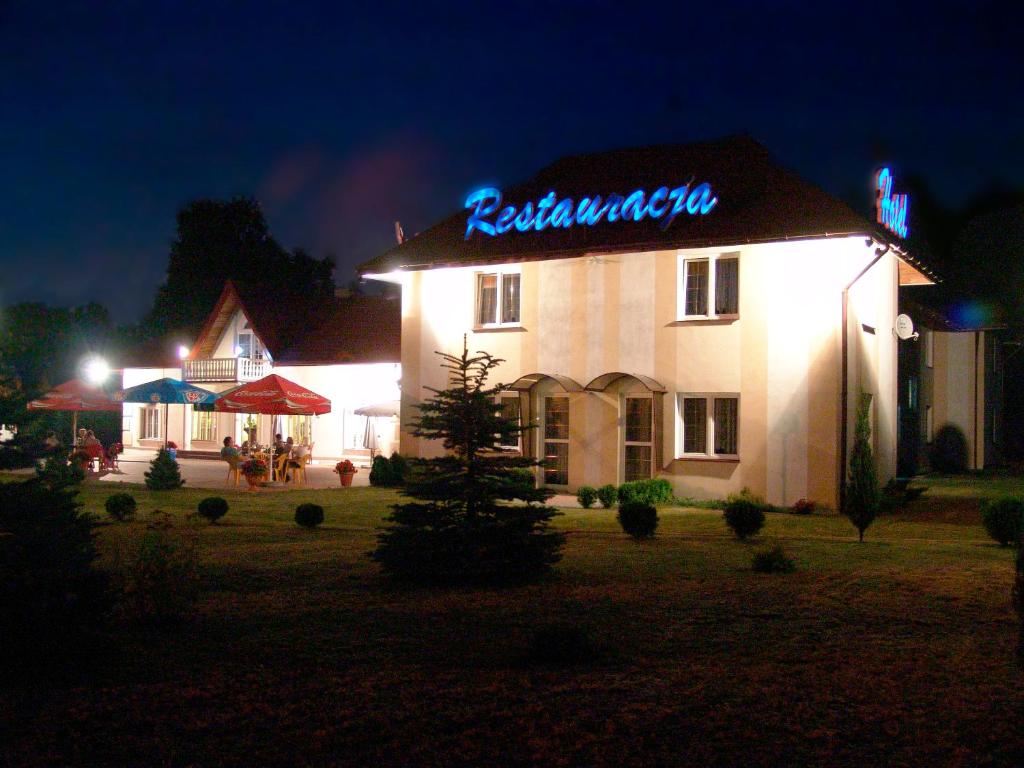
x: 708, y: 349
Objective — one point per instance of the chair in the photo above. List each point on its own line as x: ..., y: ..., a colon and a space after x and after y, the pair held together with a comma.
x: 95, y: 453
x: 280, y: 466
x: 299, y: 470
x: 233, y: 464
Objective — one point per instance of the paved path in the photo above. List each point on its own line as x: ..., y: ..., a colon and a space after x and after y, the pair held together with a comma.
x: 211, y: 473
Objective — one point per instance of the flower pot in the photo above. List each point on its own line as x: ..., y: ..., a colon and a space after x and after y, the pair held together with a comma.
x: 255, y: 481
x: 346, y: 478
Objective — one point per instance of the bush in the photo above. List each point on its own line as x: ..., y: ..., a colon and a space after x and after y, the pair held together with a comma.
x: 213, y: 508
x: 637, y: 519
x: 654, y: 491
x: 586, y: 496
x: 159, y: 575
x: 399, y: 468
x: 804, y: 507
x: 774, y: 560
x: 1004, y: 519
x: 309, y: 515
x: 949, y: 450
x: 50, y: 592
x: 608, y: 495
x: 863, y: 499
x: 744, y: 513
x: 164, y: 473
x: 121, y: 506
x: 380, y: 472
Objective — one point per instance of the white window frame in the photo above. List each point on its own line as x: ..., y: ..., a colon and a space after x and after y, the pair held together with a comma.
x: 543, y: 438
x: 685, y: 257
x: 709, y: 398
x: 256, y: 349
x: 148, y: 412
x: 512, y: 395
x: 500, y: 273
x: 208, y: 416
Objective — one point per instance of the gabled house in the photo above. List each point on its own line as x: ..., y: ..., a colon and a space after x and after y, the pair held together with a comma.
x: 692, y: 312
x: 345, y: 348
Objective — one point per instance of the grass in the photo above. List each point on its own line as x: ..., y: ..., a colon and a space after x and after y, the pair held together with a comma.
x: 897, y: 651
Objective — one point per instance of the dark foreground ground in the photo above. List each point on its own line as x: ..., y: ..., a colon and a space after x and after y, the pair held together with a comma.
x: 894, y: 652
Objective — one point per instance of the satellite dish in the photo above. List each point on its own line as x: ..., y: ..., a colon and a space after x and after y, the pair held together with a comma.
x: 905, y: 328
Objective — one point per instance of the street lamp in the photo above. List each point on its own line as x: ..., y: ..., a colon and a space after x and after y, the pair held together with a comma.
x: 182, y: 351
x: 96, y: 370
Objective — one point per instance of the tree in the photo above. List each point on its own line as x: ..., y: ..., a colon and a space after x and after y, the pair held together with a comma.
x: 862, y: 496
x: 219, y: 240
x: 164, y: 473
x: 459, y: 530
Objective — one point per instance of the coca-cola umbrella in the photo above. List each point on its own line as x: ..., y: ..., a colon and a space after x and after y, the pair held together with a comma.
x: 75, y: 396
x: 273, y: 395
x: 167, y: 391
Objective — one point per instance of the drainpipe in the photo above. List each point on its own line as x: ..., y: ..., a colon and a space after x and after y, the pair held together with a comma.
x: 844, y: 385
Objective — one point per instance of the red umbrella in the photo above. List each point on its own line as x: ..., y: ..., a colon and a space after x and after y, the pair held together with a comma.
x: 273, y: 394
x: 75, y: 395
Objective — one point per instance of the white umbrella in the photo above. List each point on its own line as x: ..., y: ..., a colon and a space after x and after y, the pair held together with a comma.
x: 370, y: 436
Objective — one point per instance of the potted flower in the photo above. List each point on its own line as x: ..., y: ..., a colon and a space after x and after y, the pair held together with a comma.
x: 255, y: 470
x: 172, y: 449
x: 345, y: 470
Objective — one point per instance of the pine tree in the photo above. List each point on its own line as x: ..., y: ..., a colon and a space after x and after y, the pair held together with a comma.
x: 164, y: 473
x: 462, y: 528
x: 862, y: 496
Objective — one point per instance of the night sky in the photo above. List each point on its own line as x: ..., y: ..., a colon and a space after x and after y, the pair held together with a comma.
x: 341, y: 120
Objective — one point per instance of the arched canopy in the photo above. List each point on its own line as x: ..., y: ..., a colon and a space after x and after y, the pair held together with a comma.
x: 605, y: 380
x: 526, y: 383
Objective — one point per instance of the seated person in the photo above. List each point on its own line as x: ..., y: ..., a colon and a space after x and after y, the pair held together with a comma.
x: 229, y: 451
x: 50, y: 442
x: 110, y: 460
x: 90, y: 439
x: 80, y: 440
x: 244, y: 448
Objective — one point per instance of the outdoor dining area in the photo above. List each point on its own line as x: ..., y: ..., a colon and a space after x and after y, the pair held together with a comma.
x: 280, y: 463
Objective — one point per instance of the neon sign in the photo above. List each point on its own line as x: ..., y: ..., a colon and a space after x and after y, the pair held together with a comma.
x: 890, y: 209
x: 550, y: 211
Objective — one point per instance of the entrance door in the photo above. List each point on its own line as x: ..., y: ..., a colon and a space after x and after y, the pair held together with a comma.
x: 556, y: 440
x: 637, y: 437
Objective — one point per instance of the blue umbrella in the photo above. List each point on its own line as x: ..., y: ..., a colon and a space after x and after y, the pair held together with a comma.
x: 167, y: 391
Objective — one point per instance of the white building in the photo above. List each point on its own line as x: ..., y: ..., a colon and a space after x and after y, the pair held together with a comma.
x: 348, y: 350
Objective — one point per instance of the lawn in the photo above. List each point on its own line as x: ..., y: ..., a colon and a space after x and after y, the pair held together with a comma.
x: 897, y: 651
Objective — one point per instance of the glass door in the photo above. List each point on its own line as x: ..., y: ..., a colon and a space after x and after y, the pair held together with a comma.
x: 638, y: 437
x: 556, y: 440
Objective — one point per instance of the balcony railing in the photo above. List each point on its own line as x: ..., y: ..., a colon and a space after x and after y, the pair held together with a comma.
x: 224, y: 369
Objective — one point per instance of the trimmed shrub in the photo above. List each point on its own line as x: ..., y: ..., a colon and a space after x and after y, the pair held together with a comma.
x: 637, y: 519
x: 608, y: 495
x: 309, y: 515
x: 654, y: 491
x: 949, y: 450
x: 586, y: 496
x: 380, y: 472
x: 164, y: 473
x: 863, y: 498
x: 1004, y: 519
x: 213, y: 508
x: 804, y: 507
x: 121, y: 506
x: 774, y: 560
x: 399, y: 468
x: 744, y: 514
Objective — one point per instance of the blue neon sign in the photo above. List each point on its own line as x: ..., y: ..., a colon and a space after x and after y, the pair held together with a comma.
x: 890, y: 209
x: 491, y: 219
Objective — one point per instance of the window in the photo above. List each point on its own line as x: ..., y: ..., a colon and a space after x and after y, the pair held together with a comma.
x: 204, y: 426
x: 710, y: 286
x: 497, y: 299
x: 249, y: 346
x: 556, y: 440
x: 149, y: 423
x: 510, y: 410
x: 638, y: 437
x: 708, y: 425
x: 299, y: 429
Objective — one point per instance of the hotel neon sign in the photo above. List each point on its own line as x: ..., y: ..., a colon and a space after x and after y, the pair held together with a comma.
x: 663, y: 203
x: 890, y: 209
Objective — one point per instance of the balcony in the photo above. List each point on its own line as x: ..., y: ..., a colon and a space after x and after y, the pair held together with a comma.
x: 239, y: 369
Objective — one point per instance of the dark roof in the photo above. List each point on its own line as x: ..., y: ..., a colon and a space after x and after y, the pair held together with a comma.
x: 758, y: 201
x: 358, y: 329
x: 940, y: 319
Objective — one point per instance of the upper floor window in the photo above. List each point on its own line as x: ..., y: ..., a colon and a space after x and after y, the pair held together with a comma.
x: 249, y: 346
x: 497, y: 299
x: 709, y: 286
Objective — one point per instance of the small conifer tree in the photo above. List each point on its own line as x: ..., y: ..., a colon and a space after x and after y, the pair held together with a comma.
x: 164, y: 473
x: 460, y: 526
x: 862, y: 496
